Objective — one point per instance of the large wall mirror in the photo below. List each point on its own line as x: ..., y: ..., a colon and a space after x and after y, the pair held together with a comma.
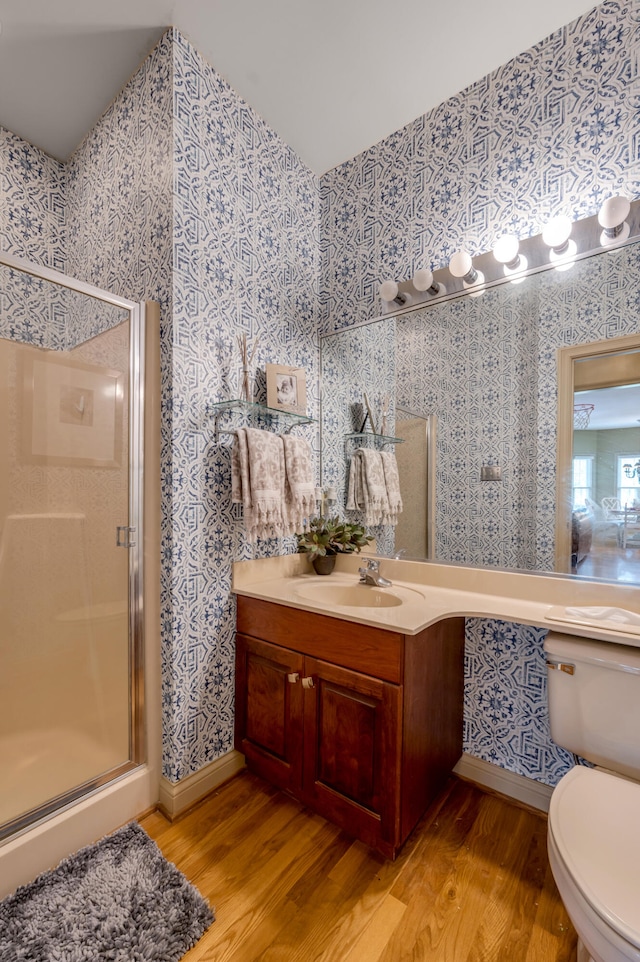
x: 470, y: 389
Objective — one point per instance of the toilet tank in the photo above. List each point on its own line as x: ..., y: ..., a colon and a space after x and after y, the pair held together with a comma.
x: 594, y: 700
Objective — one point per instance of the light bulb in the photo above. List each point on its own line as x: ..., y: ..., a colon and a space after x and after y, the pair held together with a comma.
x: 506, y: 253
x: 556, y: 236
x: 388, y: 290
x: 506, y: 249
x: 461, y: 266
x: 389, y: 293
x: 612, y: 218
x: 556, y: 233
x: 423, y: 281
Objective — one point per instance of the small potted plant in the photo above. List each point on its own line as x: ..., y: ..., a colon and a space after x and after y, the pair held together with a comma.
x: 327, y: 537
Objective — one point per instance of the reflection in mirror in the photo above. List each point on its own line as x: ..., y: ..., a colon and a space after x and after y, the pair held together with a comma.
x: 485, y: 369
x: 598, y: 484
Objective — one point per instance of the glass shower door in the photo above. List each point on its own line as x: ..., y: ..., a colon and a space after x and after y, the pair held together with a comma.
x: 66, y: 670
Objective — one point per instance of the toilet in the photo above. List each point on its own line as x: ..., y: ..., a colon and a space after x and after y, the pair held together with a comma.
x: 594, y: 818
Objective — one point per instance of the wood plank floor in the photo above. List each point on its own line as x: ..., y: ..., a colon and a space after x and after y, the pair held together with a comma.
x: 471, y: 883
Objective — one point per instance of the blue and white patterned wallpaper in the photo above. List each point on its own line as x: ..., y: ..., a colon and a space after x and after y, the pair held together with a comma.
x: 187, y: 190
x: 245, y: 252
x: 506, y: 721
x: 32, y: 203
x: 183, y: 194
x: 119, y: 193
x: 356, y: 362
x: 557, y: 129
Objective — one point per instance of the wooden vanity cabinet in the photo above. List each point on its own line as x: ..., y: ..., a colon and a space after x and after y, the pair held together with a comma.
x: 359, y: 723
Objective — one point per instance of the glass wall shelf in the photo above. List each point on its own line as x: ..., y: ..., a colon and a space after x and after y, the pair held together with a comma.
x: 219, y: 408
x: 377, y: 438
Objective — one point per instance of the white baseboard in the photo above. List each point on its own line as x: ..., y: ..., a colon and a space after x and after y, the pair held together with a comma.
x: 177, y: 797
x: 507, y: 783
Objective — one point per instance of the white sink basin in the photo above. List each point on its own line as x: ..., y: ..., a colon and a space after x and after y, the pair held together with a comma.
x: 356, y: 595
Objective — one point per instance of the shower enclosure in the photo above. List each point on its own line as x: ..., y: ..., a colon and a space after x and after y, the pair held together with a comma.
x: 71, y: 543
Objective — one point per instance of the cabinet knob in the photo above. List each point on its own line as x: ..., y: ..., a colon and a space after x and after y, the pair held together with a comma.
x: 307, y: 682
x: 293, y: 677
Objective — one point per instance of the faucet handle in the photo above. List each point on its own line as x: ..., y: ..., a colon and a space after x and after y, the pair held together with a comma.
x: 373, y: 564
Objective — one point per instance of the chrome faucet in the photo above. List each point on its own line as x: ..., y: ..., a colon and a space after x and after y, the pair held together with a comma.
x: 371, y: 574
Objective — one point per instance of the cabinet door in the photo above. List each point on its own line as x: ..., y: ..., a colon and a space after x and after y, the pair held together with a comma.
x: 352, y: 733
x: 269, y: 711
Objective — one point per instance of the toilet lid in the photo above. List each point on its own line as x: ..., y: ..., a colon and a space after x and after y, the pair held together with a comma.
x: 595, y: 821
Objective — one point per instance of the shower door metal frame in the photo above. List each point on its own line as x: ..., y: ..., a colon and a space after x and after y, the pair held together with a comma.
x: 137, y: 735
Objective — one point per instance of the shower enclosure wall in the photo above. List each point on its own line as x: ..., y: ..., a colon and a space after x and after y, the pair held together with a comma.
x: 72, y: 687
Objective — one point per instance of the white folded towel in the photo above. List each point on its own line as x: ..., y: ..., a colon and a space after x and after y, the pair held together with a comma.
x: 593, y: 613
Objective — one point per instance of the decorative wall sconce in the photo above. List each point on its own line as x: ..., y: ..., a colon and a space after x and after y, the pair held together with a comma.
x: 389, y: 292
x: 506, y: 252
x: 461, y: 266
x: 556, y: 235
x: 423, y: 281
x: 632, y: 470
x: 612, y: 219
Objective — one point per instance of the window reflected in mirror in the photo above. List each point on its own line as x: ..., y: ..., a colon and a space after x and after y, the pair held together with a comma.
x: 605, y: 488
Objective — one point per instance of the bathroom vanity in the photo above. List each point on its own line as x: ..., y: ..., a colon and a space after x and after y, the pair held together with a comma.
x: 361, y: 724
x: 351, y: 697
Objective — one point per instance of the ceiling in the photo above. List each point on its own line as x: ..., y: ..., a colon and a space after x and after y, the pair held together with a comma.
x: 613, y: 407
x: 331, y: 78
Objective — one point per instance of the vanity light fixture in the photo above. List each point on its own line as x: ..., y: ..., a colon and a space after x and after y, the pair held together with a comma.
x: 389, y: 293
x: 461, y: 266
x: 612, y: 218
x: 506, y: 253
x: 556, y: 235
x: 423, y: 281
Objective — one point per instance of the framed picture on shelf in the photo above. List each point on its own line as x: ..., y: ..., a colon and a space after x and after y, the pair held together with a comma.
x: 286, y: 388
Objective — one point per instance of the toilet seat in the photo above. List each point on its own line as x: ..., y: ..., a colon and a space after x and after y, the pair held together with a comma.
x: 594, y: 820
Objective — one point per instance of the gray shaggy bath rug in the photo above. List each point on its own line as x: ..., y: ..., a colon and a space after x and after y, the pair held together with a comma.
x: 118, y: 900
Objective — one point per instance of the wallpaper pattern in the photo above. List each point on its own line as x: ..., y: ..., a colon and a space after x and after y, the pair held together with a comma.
x: 32, y: 203
x: 556, y: 129
x: 486, y: 367
x: 183, y: 194
x: 245, y: 259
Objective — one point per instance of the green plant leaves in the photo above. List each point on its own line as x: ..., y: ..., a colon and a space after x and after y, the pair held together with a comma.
x: 328, y: 536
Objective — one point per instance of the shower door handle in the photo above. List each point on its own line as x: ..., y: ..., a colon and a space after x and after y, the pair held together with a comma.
x: 123, y: 532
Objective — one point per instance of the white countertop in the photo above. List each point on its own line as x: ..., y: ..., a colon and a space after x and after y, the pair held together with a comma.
x: 431, y: 592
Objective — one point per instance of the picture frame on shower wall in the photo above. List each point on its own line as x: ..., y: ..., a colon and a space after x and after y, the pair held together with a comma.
x: 286, y: 388
x: 72, y: 412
